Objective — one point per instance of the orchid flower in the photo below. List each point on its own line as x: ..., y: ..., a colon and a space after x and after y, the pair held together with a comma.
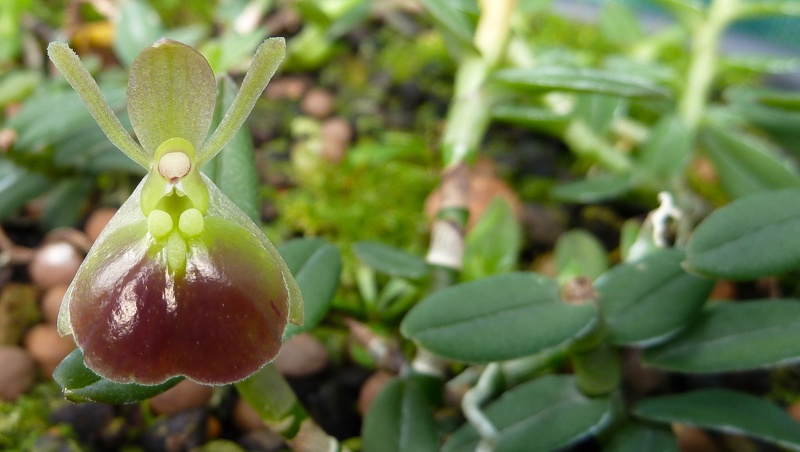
x: 181, y: 281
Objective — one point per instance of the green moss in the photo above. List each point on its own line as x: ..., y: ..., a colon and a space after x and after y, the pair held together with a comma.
x: 24, y: 422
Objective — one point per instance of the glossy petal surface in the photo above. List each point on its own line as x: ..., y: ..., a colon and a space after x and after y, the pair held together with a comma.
x: 171, y: 93
x: 217, y: 323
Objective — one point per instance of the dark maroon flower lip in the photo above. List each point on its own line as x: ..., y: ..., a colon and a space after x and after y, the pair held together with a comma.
x: 219, y: 322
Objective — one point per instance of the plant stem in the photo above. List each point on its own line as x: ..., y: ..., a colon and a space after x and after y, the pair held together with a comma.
x: 703, y: 64
x: 465, y: 126
x: 272, y: 398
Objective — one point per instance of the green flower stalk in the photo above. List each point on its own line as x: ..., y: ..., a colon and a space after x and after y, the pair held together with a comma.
x: 181, y: 281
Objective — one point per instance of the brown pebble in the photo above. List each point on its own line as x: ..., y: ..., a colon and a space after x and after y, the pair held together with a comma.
x: 97, y: 221
x: 246, y: 418
x: 301, y: 356
x: 336, y: 136
x: 692, y: 439
x: 47, y: 347
x: 291, y: 87
x: 54, y: 263
x: 318, y: 102
x: 794, y: 410
x: 51, y: 303
x: 371, y: 388
x: 17, y: 370
x: 181, y: 397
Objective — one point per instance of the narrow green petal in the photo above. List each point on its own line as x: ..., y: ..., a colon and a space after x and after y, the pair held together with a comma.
x: 220, y: 206
x: 171, y: 94
x: 68, y: 63
x: 268, y: 57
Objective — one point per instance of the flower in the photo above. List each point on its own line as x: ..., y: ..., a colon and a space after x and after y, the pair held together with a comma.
x: 181, y: 281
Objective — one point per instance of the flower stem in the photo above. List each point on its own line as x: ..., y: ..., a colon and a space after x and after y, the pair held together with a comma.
x: 703, y: 64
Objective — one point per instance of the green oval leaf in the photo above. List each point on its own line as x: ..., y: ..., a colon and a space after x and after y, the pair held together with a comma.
x: 746, y: 166
x: 316, y: 266
x: 138, y: 25
x: 563, y: 78
x: 734, y: 336
x: 390, y: 260
x: 592, y: 190
x: 749, y: 238
x: 492, y: 246
x: 400, y: 420
x: 726, y: 411
x: 579, y: 253
x: 80, y: 384
x: 545, y: 414
x: 538, y: 119
x: 18, y: 186
x: 497, y: 318
x: 171, y: 93
x: 649, y: 299
x: 666, y: 150
x: 638, y: 436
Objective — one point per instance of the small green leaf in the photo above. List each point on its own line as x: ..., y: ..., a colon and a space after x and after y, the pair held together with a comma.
x: 588, y: 80
x: 80, y: 384
x: 171, y: 93
x: 63, y: 205
x: 18, y: 186
x: 777, y: 112
x: 390, y: 260
x: 734, y: 336
x: 649, y: 299
x: 498, y: 318
x: 598, y: 111
x: 592, y: 190
x: 746, y: 166
x: 544, y: 414
x: 17, y: 85
x: 400, y: 420
x: 452, y: 16
x: 763, y: 8
x: 538, y: 119
x: 749, y: 238
x: 234, y: 168
x: 690, y: 12
x: 726, y: 411
x: 638, y: 436
x: 666, y: 150
x: 619, y: 24
x: 579, y: 253
x: 493, y: 245
x: 138, y: 25
x: 316, y: 266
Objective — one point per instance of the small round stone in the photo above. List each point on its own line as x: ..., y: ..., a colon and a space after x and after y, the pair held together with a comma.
x: 191, y: 223
x: 301, y: 356
x: 51, y: 302
x: 318, y: 103
x: 181, y: 397
x: 97, y: 222
x: 370, y: 389
x: 47, y: 347
x: 174, y: 165
x: 246, y: 418
x: 17, y: 370
x: 54, y: 263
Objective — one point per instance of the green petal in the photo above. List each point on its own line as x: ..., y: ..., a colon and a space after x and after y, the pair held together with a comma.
x: 171, y: 93
x: 265, y: 62
x: 82, y: 82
